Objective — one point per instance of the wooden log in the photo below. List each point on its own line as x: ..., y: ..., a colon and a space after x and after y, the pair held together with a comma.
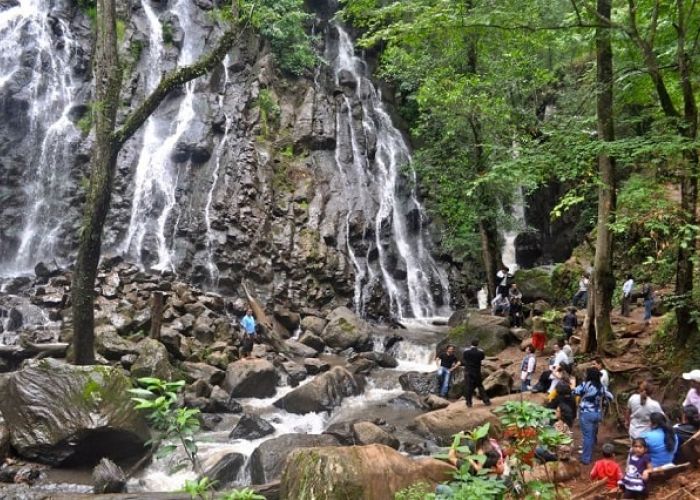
x: 156, y: 315
x: 262, y: 319
x: 665, y: 472
x: 556, y: 472
x: 590, y: 490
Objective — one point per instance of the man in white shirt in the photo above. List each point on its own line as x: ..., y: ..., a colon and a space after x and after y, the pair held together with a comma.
x: 503, y: 275
x: 560, y: 357
x: 627, y: 295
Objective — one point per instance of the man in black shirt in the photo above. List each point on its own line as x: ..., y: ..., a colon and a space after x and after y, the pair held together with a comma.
x: 471, y: 360
x: 447, y: 362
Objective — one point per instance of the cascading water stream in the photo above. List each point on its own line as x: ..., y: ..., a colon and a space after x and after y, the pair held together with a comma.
x: 26, y: 35
x: 156, y: 175
x: 211, y: 265
x: 373, y: 185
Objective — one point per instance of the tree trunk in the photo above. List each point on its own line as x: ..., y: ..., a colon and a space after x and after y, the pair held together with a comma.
x: 107, y: 74
x: 603, y: 283
x: 108, y: 143
x: 689, y: 187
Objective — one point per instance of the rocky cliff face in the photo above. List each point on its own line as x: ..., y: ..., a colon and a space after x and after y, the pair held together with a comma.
x: 297, y: 186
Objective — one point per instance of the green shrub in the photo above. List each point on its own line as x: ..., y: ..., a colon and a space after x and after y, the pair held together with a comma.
x: 269, y: 111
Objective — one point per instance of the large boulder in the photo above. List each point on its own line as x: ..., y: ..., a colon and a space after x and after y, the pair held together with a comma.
x: 441, y: 425
x: 499, y: 383
x: 314, y: 324
x: 223, y: 468
x: 63, y: 414
x: 268, y: 459
x: 251, y: 378
x: 109, y: 344
x: 419, y: 382
x: 152, y: 361
x: 493, y: 333
x: 314, y: 341
x: 300, y: 350
x: 323, y: 393
x: 345, y: 329
x: 381, y: 358
x: 357, y: 472
x: 536, y: 284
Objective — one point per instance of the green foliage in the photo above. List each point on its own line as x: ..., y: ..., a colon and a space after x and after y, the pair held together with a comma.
x: 136, y: 49
x: 167, y: 30
x: 158, y: 399
x: 199, y: 488
x: 244, y: 494
x: 269, y: 111
x: 418, y: 491
x: 85, y: 123
x: 283, y: 23
x: 89, y: 8
x: 527, y: 425
x: 121, y: 30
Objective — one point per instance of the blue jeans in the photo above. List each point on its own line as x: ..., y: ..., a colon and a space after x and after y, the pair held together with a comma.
x: 648, y: 304
x: 444, y: 380
x: 589, y: 421
x: 525, y: 385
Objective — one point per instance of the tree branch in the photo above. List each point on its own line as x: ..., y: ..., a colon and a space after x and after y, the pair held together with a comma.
x: 177, y: 78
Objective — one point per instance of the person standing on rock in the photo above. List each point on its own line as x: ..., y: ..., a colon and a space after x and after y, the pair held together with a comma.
x: 471, y: 360
x: 447, y: 363
x: 648, y: 295
x: 527, y: 368
x: 248, y: 324
x: 539, y: 335
x: 569, y: 323
x: 581, y: 296
x: 627, y: 295
x: 592, y: 394
x: 503, y: 275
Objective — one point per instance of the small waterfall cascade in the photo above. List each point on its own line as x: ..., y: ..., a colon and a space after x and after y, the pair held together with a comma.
x: 373, y: 158
x: 518, y: 211
x: 36, y: 52
x: 156, y: 174
x: 212, y: 269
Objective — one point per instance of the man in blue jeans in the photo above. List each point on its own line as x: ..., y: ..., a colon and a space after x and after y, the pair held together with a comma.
x: 592, y: 393
x: 447, y: 362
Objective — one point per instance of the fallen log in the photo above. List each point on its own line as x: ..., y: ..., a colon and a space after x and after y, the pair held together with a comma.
x: 28, y: 350
x: 263, y: 320
x: 600, y: 484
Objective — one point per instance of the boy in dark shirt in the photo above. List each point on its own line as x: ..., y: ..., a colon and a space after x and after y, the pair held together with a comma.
x: 471, y: 360
x: 447, y: 362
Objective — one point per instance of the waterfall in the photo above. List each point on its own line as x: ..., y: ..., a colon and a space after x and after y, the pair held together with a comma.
x: 212, y: 269
x: 156, y: 174
x: 35, y: 58
x: 374, y: 181
x: 518, y: 211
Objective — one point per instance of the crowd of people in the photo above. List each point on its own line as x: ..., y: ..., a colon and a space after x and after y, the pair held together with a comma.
x: 654, y: 442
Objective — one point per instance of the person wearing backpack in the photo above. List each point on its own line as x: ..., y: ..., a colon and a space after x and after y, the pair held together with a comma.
x: 592, y: 394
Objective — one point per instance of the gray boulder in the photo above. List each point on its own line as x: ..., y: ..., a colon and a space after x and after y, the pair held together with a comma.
x: 369, y: 433
x: 62, y: 414
x: 493, y: 333
x: 295, y: 372
x: 251, y: 427
x: 314, y: 324
x: 223, y: 468
x: 251, y: 378
x: 109, y: 344
x: 202, y: 371
x: 499, y: 383
x: 268, y: 459
x: 312, y: 340
x: 418, y: 382
x: 108, y: 477
x: 323, y: 393
x: 345, y: 329
x: 381, y: 358
x: 152, y: 361
x: 315, y: 365
x: 300, y: 350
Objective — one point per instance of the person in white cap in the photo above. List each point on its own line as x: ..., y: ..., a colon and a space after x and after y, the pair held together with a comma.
x: 693, y: 396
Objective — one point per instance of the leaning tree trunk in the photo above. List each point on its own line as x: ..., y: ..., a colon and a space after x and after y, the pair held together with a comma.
x: 108, y: 143
x: 603, y: 283
x: 107, y: 73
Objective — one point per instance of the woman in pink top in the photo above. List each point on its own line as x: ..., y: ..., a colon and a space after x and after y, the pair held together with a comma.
x: 693, y: 396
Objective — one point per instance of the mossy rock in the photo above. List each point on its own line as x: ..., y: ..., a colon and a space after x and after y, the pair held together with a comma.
x: 536, y: 284
x: 357, y: 472
x: 62, y: 414
x: 492, y: 331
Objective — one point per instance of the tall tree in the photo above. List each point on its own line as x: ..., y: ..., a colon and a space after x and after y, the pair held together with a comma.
x: 603, y: 283
x: 682, y: 15
x: 108, y: 142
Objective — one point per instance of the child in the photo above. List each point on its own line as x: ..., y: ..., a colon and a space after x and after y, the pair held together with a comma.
x: 527, y: 368
x: 634, y: 483
x: 607, y: 468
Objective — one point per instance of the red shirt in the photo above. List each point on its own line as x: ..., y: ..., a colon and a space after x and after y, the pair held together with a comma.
x: 607, y: 468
